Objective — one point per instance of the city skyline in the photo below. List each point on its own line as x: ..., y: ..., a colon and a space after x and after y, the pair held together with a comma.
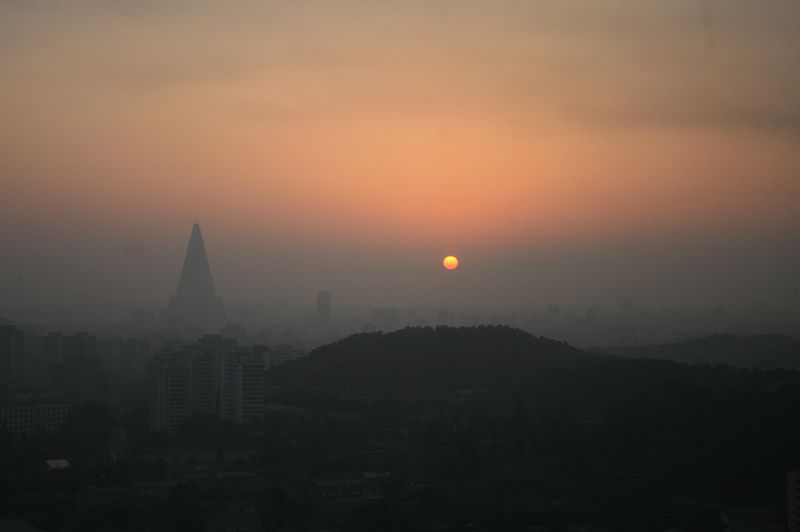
x: 574, y: 152
x: 357, y: 265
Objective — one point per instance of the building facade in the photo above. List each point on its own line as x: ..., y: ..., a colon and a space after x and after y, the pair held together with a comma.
x: 243, y: 387
x: 211, y: 377
x: 31, y: 417
x: 168, y: 392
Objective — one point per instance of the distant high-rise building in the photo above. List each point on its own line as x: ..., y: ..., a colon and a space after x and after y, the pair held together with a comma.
x: 12, y: 343
x: 206, y: 361
x: 243, y: 387
x: 58, y: 348
x: 236, y: 332
x: 323, y: 309
x: 52, y: 349
x: 135, y: 355
x: 72, y: 364
x: 168, y: 392
x: 204, y: 370
x: 217, y: 343
x: 213, y: 376
x: 196, y: 304
x: 80, y: 345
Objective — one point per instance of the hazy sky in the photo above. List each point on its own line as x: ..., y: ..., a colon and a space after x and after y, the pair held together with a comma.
x: 571, y: 150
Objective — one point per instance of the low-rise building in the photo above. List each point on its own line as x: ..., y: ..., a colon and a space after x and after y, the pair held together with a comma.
x: 28, y: 417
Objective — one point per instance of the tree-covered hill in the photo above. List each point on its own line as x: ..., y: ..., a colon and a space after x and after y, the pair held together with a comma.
x: 507, y: 360
x: 765, y: 351
x: 639, y: 430
x: 428, y: 359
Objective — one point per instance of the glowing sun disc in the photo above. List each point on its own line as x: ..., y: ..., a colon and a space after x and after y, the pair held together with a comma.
x: 450, y: 262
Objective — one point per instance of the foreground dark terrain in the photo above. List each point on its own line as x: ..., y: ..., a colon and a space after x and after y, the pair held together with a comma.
x: 484, y: 428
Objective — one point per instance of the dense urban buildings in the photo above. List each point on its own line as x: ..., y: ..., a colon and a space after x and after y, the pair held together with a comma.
x: 543, y: 257
x: 219, y: 430
x: 214, y: 377
x: 242, y: 386
x: 168, y: 392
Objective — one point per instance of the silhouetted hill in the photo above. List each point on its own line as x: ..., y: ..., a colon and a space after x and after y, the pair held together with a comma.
x: 428, y: 359
x: 503, y: 360
x: 766, y: 351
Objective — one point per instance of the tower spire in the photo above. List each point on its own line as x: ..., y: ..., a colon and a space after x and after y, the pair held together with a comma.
x: 195, y: 303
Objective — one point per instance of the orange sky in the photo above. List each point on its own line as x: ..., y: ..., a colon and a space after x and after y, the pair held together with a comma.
x: 401, y: 125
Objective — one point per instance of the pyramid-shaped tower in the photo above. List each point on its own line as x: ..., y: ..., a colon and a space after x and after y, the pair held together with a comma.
x: 195, y: 305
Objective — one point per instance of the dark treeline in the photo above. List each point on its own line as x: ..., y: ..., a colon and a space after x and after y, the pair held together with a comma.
x: 484, y: 428
x: 630, y: 433
x: 763, y: 351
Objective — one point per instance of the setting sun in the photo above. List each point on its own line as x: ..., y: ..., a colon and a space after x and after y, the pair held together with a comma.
x: 450, y: 262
